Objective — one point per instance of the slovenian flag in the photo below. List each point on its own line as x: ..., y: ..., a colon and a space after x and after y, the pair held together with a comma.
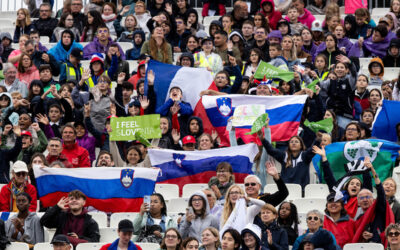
x: 182, y: 167
x: 107, y: 189
x: 386, y: 119
x: 284, y: 113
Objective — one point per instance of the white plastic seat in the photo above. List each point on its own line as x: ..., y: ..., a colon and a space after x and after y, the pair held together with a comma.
x: 12, y: 15
x: 316, y: 191
x: 294, y: 190
x: 100, y: 218
x: 90, y: 245
x: 44, y: 39
x: 303, y: 220
x: 208, y: 19
x: 189, y: 189
x: 169, y: 191
x: 363, y: 246
x: 391, y: 73
x: 306, y: 204
x: 117, y: 217
x: 17, y: 246
x: 148, y: 246
x: 43, y: 246
x: 380, y: 11
x: 177, y: 205
x: 7, y: 22
x: 125, y: 46
x: 364, y: 61
x: 133, y: 64
x: 48, y: 234
x: 108, y: 234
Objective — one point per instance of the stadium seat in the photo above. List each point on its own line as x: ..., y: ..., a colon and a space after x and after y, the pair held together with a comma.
x: 17, y: 246
x: 48, y: 234
x: 189, y: 189
x: 12, y: 15
x: 117, y: 217
x: 44, y: 39
x: 316, y: 191
x: 43, y: 246
x: 176, y: 56
x: 391, y: 73
x: 380, y: 11
x: 8, y: 29
x: 133, y: 64
x: 377, y: 17
x: 100, y: 218
x: 177, y: 205
x: 320, y: 18
x: 90, y: 245
x: 148, y: 246
x: 304, y: 205
x: 208, y: 19
x: 125, y: 46
x: 303, y: 220
x: 169, y: 191
x: 6, y: 22
x: 364, y: 61
x: 294, y: 190
x: 108, y: 234
x: 363, y: 246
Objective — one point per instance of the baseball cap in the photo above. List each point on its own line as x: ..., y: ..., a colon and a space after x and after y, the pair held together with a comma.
x: 207, y: 38
x: 60, y: 238
x: 77, y: 53
x: 188, y: 139
x: 19, y: 166
x: 125, y: 226
x: 316, y: 26
x: 26, y: 133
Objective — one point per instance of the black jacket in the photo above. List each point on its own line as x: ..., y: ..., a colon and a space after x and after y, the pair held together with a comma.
x: 6, y: 155
x: 56, y: 218
x: 37, y: 60
x: 45, y: 26
x: 279, y: 237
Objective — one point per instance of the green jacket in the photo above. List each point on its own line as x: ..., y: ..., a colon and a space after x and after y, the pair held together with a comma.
x: 26, y: 154
x: 140, y: 221
x: 146, y: 50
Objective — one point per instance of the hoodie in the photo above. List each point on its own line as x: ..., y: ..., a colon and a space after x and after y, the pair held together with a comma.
x: 60, y: 54
x: 391, y: 60
x: 4, y: 111
x: 274, y: 16
x: 376, y: 79
x: 188, y: 55
x: 134, y: 53
x: 135, y: 78
x: 307, y: 18
x: 197, y: 225
x: 201, y: 129
x: 255, y: 231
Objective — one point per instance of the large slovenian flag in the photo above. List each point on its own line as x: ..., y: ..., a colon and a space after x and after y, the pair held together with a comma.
x: 284, y: 113
x: 107, y: 189
x: 386, y: 119
x: 182, y: 167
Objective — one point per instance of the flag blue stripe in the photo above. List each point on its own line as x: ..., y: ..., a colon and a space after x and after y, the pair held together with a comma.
x: 163, y: 77
x: 94, y: 188
x: 288, y: 113
x: 384, y: 126
x: 170, y: 170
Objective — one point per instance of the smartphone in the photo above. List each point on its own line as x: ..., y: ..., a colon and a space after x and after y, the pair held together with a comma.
x: 190, y: 209
x: 146, y: 200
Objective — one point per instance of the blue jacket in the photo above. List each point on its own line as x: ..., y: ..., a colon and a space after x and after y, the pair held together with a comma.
x: 114, y: 246
x: 60, y: 54
x: 321, y: 239
x: 185, y: 112
x: 279, y: 237
x: 63, y: 72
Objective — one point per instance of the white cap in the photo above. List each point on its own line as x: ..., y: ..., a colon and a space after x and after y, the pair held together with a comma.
x: 316, y: 26
x: 19, y: 166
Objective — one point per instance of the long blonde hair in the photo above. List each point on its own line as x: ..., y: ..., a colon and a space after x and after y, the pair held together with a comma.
x: 154, y: 49
x: 27, y: 18
x: 292, y: 52
x: 228, y: 206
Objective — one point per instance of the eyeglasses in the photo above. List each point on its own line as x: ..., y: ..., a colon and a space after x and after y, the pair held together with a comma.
x: 393, y: 234
x: 313, y: 218
x: 253, y: 184
x: 351, y: 129
x: 220, y: 77
x: 4, y: 98
x: 197, y: 200
x: 171, y: 236
x: 259, y: 33
x: 234, y: 193
x: 179, y: 22
x: 365, y: 197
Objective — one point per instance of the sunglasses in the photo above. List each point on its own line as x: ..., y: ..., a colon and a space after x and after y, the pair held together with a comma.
x: 253, y: 184
x: 393, y: 234
x: 313, y: 218
x: 21, y: 174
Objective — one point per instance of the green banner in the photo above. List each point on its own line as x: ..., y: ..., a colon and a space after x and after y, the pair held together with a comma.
x: 258, y: 124
x: 312, y: 85
x: 125, y: 128
x: 270, y: 72
x: 326, y: 125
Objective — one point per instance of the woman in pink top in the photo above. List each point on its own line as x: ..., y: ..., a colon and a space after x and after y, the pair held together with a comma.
x: 15, y: 55
x: 27, y: 72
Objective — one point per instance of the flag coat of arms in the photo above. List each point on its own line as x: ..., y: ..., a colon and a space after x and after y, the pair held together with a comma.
x: 107, y: 189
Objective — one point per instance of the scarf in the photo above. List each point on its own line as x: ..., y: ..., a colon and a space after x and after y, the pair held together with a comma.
x: 108, y: 18
x: 15, y: 190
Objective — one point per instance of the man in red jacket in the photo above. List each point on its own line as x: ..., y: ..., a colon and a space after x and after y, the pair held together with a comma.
x: 76, y: 155
x: 18, y: 184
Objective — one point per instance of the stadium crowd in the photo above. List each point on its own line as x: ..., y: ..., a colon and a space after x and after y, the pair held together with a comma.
x: 55, y: 113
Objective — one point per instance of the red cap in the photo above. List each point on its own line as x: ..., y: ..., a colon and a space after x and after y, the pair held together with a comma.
x: 109, y: 117
x: 188, y: 139
x: 26, y: 133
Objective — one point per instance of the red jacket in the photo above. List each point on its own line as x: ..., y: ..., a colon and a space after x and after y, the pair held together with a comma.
x: 76, y: 155
x: 62, y: 158
x: 6, y: 197
x: 273, y: 17
x: 343, y: 229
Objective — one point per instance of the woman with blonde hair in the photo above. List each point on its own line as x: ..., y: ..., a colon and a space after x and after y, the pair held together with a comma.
x: 289, y: 51
x: 234, y: 194
x: 210, y: 239
x: 158, y: 47
x: 23, y: 24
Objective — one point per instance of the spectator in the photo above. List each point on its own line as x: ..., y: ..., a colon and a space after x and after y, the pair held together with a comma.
x: 317, y: 7
x: 72, y: 69
x: 288, y: 219
x: 193, y: 22
x: 138, y: 38
x: 251, y: 238
x: 92, y: 22
x: 223, y: 50
x: 61, y: 242
x: 15, y: 55
x: 301, y: 55
x: 214, y: 27
x: 123, y: 66
x: 76, y: 155
x: 64, y: 47
x: 172, y: 240
x: 239, y: 14
x: 45, y: 24
x: 12, y: 83
x: 260, y: 42
x: 392, y: 58
x: 6, y: 41
x: 157, y: 47
x: 190, y: 243
x: 308, y: 42
x: 207, y: 58
x: 268, y: 10
x: 125, y: 32
x: 25, y: 225
x: 125, y: 232
x: 142, y: 16
x: 23, y: 24
x: 390, y: 188
x: 17, y: 185
x: 79, y: 18
x: 273, y: 236
x: 101, y: 43
x: 40, y: 57
x: 223, y: 181
x: 34, y: 35
x: 27, y: 72
x: 105, y: 159
x: 54, y: 147
x: 28, y: 148
x: 248, y: 32
x: 319, y: 237
x: 231, y: 240
x: 66, y: 23
x: 392, y: 233
x: 75, y: 223
x: 289, y: 52
x: 37, y: 160
x: 94, y: 5
x: 197, y: 217
x: 285, y: 27
x: 109, y: 14
x: 305, y: 16
x: 213, y: 8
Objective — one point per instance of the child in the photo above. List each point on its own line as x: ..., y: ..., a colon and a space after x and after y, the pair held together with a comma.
x: 317, y: 32
x: 227, y: 23
x: 5, y: 105
x: 138, y: 40
x: 28, y: 148
x: 268, y: 10
x: 331, y: 22
x: 350, y: 27
x: 275, y: 37
x: 326, y: 139
x: 361, y: 94
x: 363, y: 25
x: 376, y: 71
x: 293, y: 16
x: 321, y: 70
x: 284, y: 27
x: 392, y: 59
x: 277, y: 60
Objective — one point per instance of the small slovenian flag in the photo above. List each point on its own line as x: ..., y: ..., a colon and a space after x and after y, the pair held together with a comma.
x: 107, y: 189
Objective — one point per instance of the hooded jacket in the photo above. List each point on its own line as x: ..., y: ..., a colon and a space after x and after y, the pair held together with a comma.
x: 322, y: 239
x: 77, y: 155
x: 87, y: 142
x: 370, y: 48
x: 135, y: 78
x: 376, y: 79
x: 307, y: 18
x: 343, y: 229
x: 32, y: 73
x: 60, y: 54
x: 200, y: 123
x: 274, y: 16
x: 197, y: 225
x: 134, y: 53
x: 391, y: 60
x: 188, y: 55
x: 97, y: 47
x: 255, y: 231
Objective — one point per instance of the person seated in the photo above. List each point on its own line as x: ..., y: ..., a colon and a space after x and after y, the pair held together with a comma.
x: 76, y: 155
x: 223, y: 181
x: 11, y: 82
x: 251, y: 238
x: 125, y: 232
x: 374, y: 46
x: 64, y: 47
x: 18, y: 184
x: 273, y: 236
x: 72, y: 69
x: 45, y: 24
x: 376, y: 72
x: 9, y: 154
x: 25, y: 225
x: 28, y: 147
x: 138, y: 39
x: 71, y: 219
x: 101, y: 44
x: 61, y: 242
x: 392, y: 233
